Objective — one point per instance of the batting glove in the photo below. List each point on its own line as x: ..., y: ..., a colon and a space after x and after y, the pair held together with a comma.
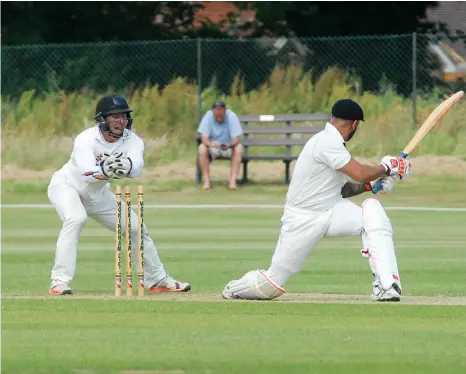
x: 388, y: 183
x: 395, y: 165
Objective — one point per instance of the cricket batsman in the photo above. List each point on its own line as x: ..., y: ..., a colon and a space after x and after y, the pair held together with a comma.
x: 80, y: 189
x: 317, y: 205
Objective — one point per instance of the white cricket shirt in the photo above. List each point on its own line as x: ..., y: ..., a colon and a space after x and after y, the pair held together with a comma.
x: 88, y: 150
x: 316, y: 184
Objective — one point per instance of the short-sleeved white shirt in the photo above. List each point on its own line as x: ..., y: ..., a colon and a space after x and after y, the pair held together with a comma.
x: 316, y: 184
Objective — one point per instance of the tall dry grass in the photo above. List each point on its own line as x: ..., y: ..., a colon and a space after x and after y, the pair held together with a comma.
x: 37, y: 131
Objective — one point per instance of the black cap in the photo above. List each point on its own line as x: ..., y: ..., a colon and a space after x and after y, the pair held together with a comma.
x: 219, y: 104
x: 348, y: 109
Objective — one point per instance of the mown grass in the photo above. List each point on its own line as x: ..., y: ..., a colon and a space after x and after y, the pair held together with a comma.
x: 210, y: 247
x: 78, y: 336
x: 101, y: 337
x: 440, y: 191
x: 38, y: 130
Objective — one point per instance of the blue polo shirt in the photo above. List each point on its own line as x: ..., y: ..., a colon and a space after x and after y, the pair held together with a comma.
x: 223, y: 132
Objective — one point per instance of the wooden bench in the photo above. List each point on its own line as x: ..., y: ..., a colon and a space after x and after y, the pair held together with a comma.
x: 287, y: 141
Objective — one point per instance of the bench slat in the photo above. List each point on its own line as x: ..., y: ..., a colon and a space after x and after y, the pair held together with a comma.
x: 272, y: 142
x: 282, y: 130
x: 270, y: 157
x: 283, y: 117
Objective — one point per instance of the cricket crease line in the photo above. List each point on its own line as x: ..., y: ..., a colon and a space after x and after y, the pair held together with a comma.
x: 237, y: 206
x: 309, y: 298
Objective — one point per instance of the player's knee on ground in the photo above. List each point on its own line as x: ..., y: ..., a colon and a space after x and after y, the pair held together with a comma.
x: 254, y: 285
x: 76, y: 219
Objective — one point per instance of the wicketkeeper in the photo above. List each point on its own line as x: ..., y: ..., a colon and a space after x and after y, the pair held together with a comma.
x: 317, y: 206
x: 80, y: 189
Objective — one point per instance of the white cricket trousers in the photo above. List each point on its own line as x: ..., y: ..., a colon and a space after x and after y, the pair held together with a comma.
x: 73, y: 211
x: 302, y: 229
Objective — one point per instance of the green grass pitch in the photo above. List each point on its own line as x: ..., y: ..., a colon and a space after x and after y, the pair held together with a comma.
x: 93, y: 332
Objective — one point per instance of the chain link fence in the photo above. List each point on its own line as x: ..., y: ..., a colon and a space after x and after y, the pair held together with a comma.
x: 71, y: 67
x: 412, y: 63
x: 368, y: 58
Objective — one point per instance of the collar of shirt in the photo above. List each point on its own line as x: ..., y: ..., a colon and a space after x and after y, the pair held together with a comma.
x: 97, y: 134
x: 332, y: 129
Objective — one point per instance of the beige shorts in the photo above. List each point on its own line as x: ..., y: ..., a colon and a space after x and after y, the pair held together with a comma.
x: 215, y: 152
x: 218, y: 153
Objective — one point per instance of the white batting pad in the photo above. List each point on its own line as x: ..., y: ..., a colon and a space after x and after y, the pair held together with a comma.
x: 378, y: 241
x: 254, y: 285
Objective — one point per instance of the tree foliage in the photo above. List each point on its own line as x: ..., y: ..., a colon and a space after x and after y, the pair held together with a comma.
x: 342, y: 18
x: 156, y: 49
x: 93, y: 21
x: 372, y: 59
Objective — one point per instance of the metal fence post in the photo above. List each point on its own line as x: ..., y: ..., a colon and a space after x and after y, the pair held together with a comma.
x: 414, y: 93
x: 199, y: 80
x: 199, y: 104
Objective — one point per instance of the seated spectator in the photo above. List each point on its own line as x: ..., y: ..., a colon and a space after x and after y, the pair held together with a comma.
x: 220, y: 131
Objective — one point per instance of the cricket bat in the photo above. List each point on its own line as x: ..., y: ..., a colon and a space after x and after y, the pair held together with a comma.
x: 428, y: 124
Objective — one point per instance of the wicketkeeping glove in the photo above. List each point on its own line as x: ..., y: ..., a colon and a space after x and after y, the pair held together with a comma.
x: 121, y: 167
x: 107, y: 162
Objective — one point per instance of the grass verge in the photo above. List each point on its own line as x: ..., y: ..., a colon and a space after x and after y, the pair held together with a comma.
x: 424, y: 190
x: 168, y: 120
x: 75, y: 335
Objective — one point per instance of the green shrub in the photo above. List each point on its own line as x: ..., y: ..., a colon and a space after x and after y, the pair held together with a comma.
x: 38, y: 130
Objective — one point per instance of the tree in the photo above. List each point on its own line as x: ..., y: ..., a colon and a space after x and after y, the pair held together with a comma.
x: 100, y: 60
x: 360, y: 37
x: 340, y: 18
x: 80, y: 22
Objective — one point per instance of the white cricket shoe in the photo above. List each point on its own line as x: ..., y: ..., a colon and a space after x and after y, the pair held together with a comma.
x: 168, y: 284
x: 379, y: 294
x: 60, y: 290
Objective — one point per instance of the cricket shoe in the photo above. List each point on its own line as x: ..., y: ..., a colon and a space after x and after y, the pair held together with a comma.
x: 60, y: 290
x: 379, y: 294
x: 168, y: 284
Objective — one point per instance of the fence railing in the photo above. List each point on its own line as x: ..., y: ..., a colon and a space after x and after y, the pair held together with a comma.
x: 412, y: 63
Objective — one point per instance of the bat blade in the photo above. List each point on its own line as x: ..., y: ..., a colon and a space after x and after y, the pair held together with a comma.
x: 431, y: 121
x: 438, y: 113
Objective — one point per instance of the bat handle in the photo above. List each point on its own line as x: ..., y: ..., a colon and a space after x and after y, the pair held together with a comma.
x: 378, y: 186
